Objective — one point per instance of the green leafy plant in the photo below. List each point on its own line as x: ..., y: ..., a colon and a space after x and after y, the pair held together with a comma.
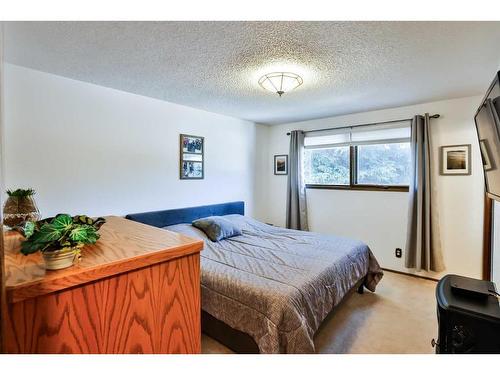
x: 21, y: 192
x: 59, y: 232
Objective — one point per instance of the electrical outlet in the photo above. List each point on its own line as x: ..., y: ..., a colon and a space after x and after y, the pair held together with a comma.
x: 399, y: 253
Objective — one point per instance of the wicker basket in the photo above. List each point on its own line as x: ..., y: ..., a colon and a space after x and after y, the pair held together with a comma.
x: 63, y: 258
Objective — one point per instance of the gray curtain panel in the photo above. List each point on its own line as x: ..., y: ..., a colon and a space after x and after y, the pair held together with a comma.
x: 296, y: 205
x: 423, y: 243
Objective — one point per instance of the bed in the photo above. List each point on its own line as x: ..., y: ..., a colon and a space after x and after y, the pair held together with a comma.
x: 269, y: 289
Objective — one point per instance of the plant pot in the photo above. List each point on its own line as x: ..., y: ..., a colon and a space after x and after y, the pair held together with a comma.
x: 18, y: 210
x: 59, y: 259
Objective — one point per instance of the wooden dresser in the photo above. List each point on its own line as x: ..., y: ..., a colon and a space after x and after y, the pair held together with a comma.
x: 136, y: 291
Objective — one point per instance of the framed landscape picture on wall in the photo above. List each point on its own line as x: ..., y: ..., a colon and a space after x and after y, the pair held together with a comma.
x: 192, y: 149
x: 455, y: 160
x: 280, y: 164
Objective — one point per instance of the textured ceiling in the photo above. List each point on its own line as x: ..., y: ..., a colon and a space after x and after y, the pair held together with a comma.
x: 346, y: 66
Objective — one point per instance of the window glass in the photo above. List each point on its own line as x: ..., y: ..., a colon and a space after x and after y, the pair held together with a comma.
x: 384, y: 164
x: 327, y: 166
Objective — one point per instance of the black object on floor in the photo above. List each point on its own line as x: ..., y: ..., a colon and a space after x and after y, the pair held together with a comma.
x: 468, y: 316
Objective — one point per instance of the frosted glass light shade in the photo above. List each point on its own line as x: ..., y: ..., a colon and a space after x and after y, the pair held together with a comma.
x: 280, y: 82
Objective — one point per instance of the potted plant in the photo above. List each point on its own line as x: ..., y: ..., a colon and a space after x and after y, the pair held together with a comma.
x: 20, y: 207
x: 60, y: 238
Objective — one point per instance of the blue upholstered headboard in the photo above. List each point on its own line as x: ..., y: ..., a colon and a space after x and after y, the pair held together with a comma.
x: 164, y: 218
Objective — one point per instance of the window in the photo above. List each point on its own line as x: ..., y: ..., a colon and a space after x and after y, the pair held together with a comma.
x: 327, y: 166
x: 384, y: 164
x: 368, y: 157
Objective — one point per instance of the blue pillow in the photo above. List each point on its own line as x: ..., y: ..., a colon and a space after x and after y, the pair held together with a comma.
x: 217, y: 228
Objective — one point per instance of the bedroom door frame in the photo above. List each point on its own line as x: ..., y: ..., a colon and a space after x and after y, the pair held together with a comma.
x: 487, y: 238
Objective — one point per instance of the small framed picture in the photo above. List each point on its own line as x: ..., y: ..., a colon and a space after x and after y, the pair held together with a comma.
x: 191, y: 144
x: 191, y: 160
x: 280, y: 164
x: 456, y: 160
x: 485, y: 155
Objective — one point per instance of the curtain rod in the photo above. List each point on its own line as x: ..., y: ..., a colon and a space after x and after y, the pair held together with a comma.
x: 437, y: 115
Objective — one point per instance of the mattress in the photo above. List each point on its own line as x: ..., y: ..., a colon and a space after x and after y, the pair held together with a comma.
x: 277, y: 285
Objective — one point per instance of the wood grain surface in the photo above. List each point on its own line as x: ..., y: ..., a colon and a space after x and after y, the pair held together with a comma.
x: 151, y: 310
x: 124, y: 246
x: 487, y: 240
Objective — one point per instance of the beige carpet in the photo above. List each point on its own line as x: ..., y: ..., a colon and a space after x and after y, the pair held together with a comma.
x: 399, y: 318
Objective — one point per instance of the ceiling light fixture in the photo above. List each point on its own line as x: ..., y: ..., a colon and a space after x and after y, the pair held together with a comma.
x: 280, y: 82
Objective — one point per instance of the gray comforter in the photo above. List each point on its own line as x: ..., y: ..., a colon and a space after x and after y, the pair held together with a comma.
x: 277, y: 285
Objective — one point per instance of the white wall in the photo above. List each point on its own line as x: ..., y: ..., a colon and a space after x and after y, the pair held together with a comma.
x: 380, y: 218
x: 2, y: 161
x: 94, y: 150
